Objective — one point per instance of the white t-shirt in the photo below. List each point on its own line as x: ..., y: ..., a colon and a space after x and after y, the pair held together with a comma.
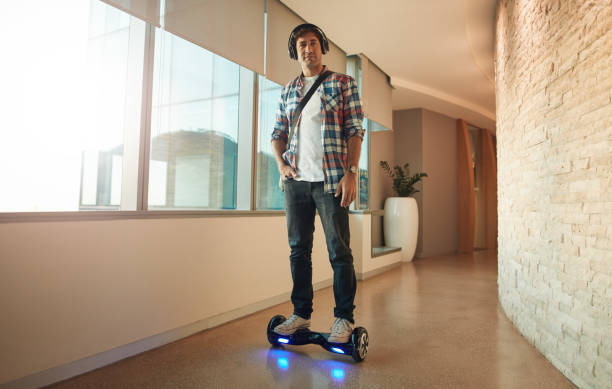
x: 310, y: 145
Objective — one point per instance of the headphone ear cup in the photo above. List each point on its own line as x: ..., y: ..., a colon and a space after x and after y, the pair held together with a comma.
x: 290, y: 48
x: 291, y: 44
x: 325, y: 43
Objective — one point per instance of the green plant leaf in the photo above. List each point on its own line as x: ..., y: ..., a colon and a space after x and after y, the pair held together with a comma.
x: 402, y: 182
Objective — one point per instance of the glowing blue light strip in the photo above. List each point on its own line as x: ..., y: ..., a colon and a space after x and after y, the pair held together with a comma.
x: 283, y: 340
x: 337, y: 350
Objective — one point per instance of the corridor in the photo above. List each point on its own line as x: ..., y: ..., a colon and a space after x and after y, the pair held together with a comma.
x: 433, y: 323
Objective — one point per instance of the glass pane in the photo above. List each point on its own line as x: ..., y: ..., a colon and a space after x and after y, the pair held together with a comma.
x: 377, y: 127
x: 269, y: 196
x: 364, y: 170
x: 225, y: 80
x: 74, y: 68
x: 194, y: 127
x: 189, y: 70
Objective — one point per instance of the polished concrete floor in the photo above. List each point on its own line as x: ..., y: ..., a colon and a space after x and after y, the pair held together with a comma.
x: 433, y: 323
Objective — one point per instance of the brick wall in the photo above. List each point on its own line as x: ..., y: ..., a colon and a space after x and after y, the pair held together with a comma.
x: 554, y: 133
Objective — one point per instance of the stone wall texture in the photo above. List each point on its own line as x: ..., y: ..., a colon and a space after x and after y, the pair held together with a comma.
x: 553, y: 65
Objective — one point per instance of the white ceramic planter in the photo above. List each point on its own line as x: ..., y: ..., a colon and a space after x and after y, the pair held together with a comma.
x: 401, y: 225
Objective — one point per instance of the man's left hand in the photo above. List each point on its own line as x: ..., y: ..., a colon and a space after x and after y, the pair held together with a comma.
x: 348, y: 187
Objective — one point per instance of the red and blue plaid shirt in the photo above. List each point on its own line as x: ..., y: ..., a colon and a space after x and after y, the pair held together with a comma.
x: 341, y: 118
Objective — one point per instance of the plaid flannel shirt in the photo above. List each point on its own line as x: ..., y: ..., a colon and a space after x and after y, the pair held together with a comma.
x: 341, y: 118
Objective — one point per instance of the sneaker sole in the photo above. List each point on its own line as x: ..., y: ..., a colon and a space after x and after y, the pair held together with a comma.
x: 292, y: 332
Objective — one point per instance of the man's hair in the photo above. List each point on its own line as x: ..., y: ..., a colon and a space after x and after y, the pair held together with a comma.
x: 305, y: 30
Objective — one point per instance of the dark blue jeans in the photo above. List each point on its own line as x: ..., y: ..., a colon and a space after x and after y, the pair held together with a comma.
x: 302, y: 199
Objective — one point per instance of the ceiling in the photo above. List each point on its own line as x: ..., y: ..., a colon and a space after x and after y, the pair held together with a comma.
x: 438, y: 53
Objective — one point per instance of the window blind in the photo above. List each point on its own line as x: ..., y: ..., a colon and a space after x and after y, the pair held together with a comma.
x: 147, y: 10
x: 376, y: 93
x: 233, y: 29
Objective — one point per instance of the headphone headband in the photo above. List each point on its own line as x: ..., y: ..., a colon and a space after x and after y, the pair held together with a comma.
x: 320, y: 34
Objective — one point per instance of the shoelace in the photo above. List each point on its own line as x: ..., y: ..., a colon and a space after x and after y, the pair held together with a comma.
x: 339, y: 326
x: 291, y: 320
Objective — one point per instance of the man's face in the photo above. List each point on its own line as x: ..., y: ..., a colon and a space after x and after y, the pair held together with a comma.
x: 309, y: 50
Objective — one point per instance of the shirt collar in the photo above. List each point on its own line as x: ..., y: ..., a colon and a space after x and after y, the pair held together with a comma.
x: 300, y: 82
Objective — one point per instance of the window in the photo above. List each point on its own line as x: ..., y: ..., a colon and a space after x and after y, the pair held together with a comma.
x: 363, y: 179
x: 73, y: 92
x: 362, y: 201
x: 374, y: 126
x: 201, y: 112
x: 269, y: 196
x: 70, y: 99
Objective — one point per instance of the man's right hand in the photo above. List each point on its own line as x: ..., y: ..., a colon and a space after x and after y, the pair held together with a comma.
x: 287, y: 171
x: 278, y: 148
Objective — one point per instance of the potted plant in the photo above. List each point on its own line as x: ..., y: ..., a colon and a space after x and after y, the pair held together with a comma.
x: 401, y: 223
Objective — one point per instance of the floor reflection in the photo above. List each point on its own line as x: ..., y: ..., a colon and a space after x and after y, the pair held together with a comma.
x: 297, y: 369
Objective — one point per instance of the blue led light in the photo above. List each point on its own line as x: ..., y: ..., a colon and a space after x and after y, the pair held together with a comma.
x: 337, y: 350
x: 338, y: 373
x: 283, y: 363
x: 283, y: 340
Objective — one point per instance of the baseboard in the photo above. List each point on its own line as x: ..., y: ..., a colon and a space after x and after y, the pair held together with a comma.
x: 72, y: 369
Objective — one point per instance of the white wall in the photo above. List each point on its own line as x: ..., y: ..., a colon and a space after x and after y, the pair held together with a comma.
x: 74, y: 289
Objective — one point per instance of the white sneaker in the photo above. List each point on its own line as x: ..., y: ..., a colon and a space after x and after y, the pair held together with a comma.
x: 341, y: 331
x: 291, y: 325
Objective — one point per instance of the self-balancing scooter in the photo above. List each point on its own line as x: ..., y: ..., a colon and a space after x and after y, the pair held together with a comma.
x: 357, y: 345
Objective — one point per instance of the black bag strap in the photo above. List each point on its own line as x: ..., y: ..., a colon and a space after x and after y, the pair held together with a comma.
x: 303, y: 103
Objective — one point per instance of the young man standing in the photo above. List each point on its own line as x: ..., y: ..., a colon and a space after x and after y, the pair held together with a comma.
x: 320, y: 172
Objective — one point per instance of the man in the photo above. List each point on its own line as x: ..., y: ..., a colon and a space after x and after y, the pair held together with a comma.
x: 320, y: 172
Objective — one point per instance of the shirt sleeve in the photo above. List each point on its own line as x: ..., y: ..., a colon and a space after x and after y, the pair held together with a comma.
x: 281, y: 124
x: 353, y: 113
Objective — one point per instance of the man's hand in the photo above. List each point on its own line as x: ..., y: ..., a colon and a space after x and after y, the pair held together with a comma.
x: 348, y: 187
x: 286, y: 172
x: 278, y: 148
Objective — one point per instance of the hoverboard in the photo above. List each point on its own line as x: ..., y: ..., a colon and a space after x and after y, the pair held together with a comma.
x: 357, y: 345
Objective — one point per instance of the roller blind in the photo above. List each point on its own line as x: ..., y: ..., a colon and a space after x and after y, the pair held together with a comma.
x: 335, y: 59
x: 147, y: 10
x: 233, y: 29
x: 281, y: 21
x: 376, y: 93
